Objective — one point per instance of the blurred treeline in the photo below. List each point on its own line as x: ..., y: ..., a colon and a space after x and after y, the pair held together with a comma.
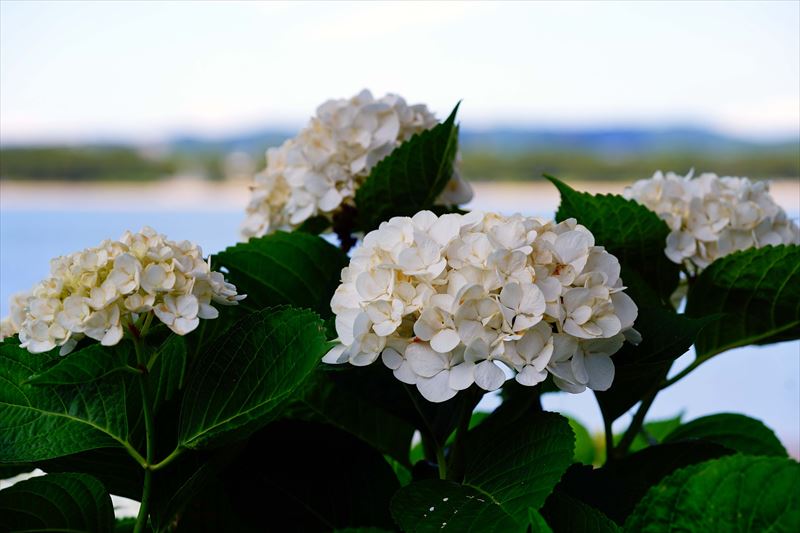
x: 501, y: 155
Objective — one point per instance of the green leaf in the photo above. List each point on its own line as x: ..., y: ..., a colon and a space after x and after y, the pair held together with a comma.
x: 585, y: 451
x: 242, y: 379
x: 91, y: 363
x: 737, y: 432
x: 57, y: 502
x: 758, y: 290
x: 315, y: 225
x: 536, y: 450
x: 38, y: 423
x: 616, y: 488
x: 653, y: 432
x: 375, y: 384
x: 7, y: 471
x: 638, y: 369
x: 168, y: 371
x: 125, y: 525
x: 570, y: 515
x: 537, y: 522
x: 628, y: 230
x: 111, y: 466
x: 297, y: 268
x: 438, y: 505
x: 301, y: 476
x: 329, y: 401
x: 736, y: 494
x: 410, y: 178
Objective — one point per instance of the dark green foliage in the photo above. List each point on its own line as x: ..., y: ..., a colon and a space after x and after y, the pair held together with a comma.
x: 638, y: 369
x: 737, y: 432
x: 438, y: 505
x: 43, y: 422
x: 565, y: 514
x: 57, y: 502
x: 757, y: 290
x: 411, y: 177
x: 737, y: 494
x: 297, y: 268
x: 631, y: 232
x: 246, y: 375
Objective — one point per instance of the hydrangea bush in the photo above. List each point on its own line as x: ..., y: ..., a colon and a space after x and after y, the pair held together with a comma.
x: 135, y: 369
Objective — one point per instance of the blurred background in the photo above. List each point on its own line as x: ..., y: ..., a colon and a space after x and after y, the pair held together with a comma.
x: 115, y: 115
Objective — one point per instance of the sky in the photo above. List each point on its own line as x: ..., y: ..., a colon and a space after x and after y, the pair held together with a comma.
x: 78, y: 71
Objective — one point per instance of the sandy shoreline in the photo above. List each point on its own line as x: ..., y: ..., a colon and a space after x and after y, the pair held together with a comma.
x: 189, y: 194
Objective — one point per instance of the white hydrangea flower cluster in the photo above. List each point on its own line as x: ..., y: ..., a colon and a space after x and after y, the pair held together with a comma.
x: 318, y: 171
x: 449, y: 301
x: 98, y: 292
x: 710, y: 217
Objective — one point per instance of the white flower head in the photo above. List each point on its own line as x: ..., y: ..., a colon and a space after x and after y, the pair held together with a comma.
x: 710, y: 217
x: 318, y: 172
x: 448, y: 302
x: 99, y: 292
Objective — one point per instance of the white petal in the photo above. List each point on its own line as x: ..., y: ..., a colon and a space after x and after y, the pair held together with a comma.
x: 578, y: 367
x: 437, y: 388
x: 336, y: 355
x: 424, y: 361
x: 112, y: 336
x: 601, y: 372
x: 530, y: 377
x: 363, y: 358
x: 405, y: 374
x: 488, y: 376
x: 462, y: 376
x: 392, y: 358
x: 445, y: 340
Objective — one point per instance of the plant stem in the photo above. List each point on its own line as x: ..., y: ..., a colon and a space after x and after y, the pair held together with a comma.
x: 141, y: 358
x: 636, y: 424
x: 442, y: 462
x: 609, y: 440
x: 456, y: 464
x: 167, y: 460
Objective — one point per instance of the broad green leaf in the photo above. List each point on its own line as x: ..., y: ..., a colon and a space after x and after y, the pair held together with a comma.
x: 299, y: 476
x: 537, y: 522
x: 521, y: 472
x: 375, y: 384
x: 758, y: 291
x: 402, y: 472
x: 57, y: 502
x: 733, y: 494
x: 328, y: 401
x: 410, y: 178
x: 438, y: 505
x: 315, y: 225
x: 168, y: 371
x: 38, y: 423
x: 125, y: 525
x: 242, y: 379
x: 7, y: 471
x: 566, y: 514
x: 585, y: 451
x: 91, y: 363
x: 616, y: 488
x: 638, y: 369
x: 653, y: 432
x: 737, y: 432
x: 628, y: 230
x: 111, y: 466
x: 297, y: 268
x: 175, y: 486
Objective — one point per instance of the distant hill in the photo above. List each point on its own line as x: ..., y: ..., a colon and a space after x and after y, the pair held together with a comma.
x: 608, y: 141
x: 492, y: 154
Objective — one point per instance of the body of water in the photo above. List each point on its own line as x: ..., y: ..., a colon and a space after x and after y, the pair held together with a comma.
x: 762, y: 382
